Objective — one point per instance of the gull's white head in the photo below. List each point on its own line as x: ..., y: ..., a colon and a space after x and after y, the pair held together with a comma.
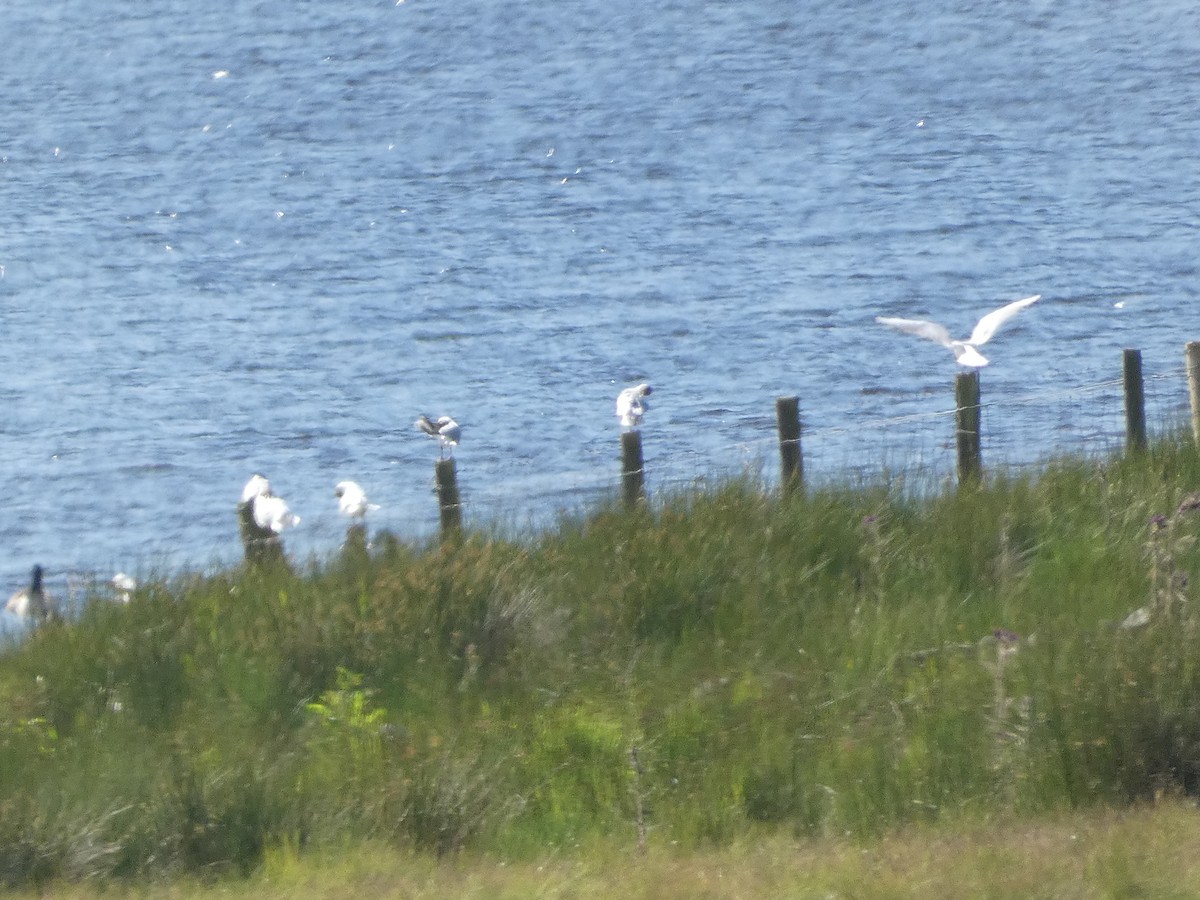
x: 257, y: 486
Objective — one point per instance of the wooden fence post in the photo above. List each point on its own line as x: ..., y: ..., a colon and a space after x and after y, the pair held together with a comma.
x: 260, y: 546
x: 449, y: 505
x: 967, y: 426
x: 787, y: 416
x: 633, y: 480
x: 1135, y: 402
x: 1193, y: 370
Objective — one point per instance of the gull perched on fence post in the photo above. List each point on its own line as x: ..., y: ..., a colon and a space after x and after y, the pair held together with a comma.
x: 632, y: 405
x: 965, y: 351
x: 352, y: 503
x: 352, y: 500
x: 445, y: 429
x: 262, y: 517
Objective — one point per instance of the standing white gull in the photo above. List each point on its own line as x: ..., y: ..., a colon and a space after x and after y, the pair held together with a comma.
x: 632, y: 405
x: 352, y: 500
x: 445, y: 429
x: 965, y: 351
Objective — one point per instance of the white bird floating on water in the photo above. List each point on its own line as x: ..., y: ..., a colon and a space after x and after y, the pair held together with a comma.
x: 31, y: 602
x: 965, y: 351
x: 352, y: 500
x: 445, y: 429
x: 632, y: 405
x: 271, y: 513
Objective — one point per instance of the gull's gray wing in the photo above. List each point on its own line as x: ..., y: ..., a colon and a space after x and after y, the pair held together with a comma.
x: 931, y: 331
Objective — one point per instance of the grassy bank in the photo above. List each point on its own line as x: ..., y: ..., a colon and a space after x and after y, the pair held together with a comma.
x: 721, y: 667
x: 1140, y: 852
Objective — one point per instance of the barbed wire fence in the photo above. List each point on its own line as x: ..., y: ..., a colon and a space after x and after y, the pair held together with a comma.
x: 1019, y: 431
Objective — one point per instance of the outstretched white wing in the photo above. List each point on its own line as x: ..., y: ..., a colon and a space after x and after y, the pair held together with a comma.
x: 988, y: 325
x: 931, y: 331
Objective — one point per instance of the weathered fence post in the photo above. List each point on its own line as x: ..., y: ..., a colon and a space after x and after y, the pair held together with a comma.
x: 449, y: 505
x: 787, y: 416
x: 260, y: 546
x: 1135, y: 402
x: 967, y: 426
x: 1193, y: 370
x: 356, y: 540
x: 633, y: 480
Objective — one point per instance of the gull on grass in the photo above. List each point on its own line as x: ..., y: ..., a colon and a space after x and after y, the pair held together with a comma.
x: 632, y: 405
x: 352, y: 500
x: 445, y: 429
x: 965, y: 351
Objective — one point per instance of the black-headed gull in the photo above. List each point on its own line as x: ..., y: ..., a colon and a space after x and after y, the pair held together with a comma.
x: 965, y: 351
x: 352, y: 500
x: 632, y: 405
x: 31, y: 602
x: 445, y: 429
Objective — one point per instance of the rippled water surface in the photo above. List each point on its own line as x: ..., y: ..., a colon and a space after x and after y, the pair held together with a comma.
x: 263, y: 236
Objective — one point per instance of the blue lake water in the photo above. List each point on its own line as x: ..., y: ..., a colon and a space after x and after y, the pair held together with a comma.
x: 263, y: 236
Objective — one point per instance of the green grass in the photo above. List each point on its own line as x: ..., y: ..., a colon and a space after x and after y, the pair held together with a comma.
x: 832, y: 670
x: 1138, y: 852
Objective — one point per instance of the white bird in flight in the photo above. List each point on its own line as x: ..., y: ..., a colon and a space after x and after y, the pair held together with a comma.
x: 632, y: 405
x: 445, y: 429
x: 965, y: 351
x: 352, y: 500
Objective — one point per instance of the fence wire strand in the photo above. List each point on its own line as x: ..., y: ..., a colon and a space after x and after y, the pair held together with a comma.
x: 826, y: 450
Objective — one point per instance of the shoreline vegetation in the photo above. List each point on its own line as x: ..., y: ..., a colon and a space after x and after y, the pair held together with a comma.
x: 725, y: 684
